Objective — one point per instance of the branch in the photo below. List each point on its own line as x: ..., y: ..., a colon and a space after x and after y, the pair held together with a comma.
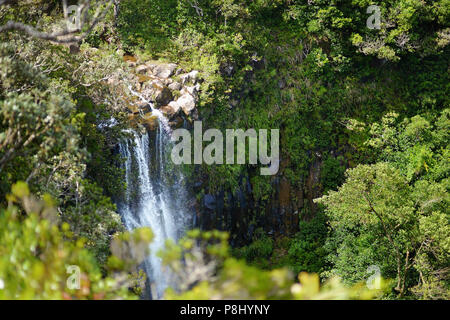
x: 197, y: 8
x: 65, y: 36
x: 390, y: 239
x: 2, y: 2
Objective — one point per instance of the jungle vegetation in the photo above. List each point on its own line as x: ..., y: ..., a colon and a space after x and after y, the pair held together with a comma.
x: 373, y: 103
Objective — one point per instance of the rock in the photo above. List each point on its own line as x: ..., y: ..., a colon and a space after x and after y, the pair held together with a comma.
x: 178, y: 72
x: 151, y: 66
x: 133, y: 109
x: 171, y: 110
x: 130, y: 60
x: 144, y: 106
x: 177, y: 123
x: 186, y: 103
x: 175, y: 86
x: 163, y: 97
x: 155, y: 85
x: 193, y: 90
x: 168, y: 81
x: 164, y: 70
x: 154, y: 80
x: 152, y: 89
x: 141, y: 78
x: 175, y: 105
x: 313, y: 186
x: 189, y: 77
x: 142, y: 69
x: 150, y: 121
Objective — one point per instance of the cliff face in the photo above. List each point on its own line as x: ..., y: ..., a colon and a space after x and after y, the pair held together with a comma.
x: 175, y: 94
x: 240, y: 214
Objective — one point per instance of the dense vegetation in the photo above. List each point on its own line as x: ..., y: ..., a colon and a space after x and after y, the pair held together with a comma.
x: 371, y: 105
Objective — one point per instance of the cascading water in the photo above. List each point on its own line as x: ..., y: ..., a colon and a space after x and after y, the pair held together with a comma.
x: 155, y: 196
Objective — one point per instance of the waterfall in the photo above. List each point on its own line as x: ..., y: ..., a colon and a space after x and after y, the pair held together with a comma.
x: 155, y: 196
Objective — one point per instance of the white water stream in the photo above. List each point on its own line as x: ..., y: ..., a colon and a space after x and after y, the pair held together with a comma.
x: 155, y: 196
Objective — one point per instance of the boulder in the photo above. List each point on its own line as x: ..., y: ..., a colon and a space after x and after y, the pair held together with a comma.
x: 171, y: 110
x: 189, y: 77
x: 186, y: 103
x: 163, y: 97
x: 164, y: 71
x: 142, y: 69
x: 175, y: 105
x: 157, y: 84
x: 192, y: 90
x: 175, y: 86
x: 150, y: 90
x: 168, y: 81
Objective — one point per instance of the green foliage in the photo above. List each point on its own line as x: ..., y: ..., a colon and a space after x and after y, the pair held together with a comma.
x: 136, y: 32
x: 36, y: 254
x: 92, y: 216
x: 306, y: 251
x: 286, y: 65
x: 378, y: 215
x: 259, y: 251
x: 377, y: 201
x: 332, y: 172
x: 51, y: 138
x: 401, y: 29
x: 416, y: 146
x: 210, y: 273
x: 33, y: 118
x: 313, y: 69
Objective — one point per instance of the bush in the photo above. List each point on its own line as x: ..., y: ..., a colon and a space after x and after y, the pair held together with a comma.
x: 306, y: 251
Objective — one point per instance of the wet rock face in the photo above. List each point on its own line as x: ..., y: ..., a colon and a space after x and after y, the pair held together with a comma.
x: 240, y: 213
x: 163, y: 97
x: 171, y: 111
x: 171, y: 90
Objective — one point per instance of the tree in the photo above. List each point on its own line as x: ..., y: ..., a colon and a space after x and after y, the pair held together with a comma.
x: 202, y: 264
x: 409, y: 219
x: 51, y: 105
x: 404, y: 26
x: 71, y: 32
x: 41, y: 260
